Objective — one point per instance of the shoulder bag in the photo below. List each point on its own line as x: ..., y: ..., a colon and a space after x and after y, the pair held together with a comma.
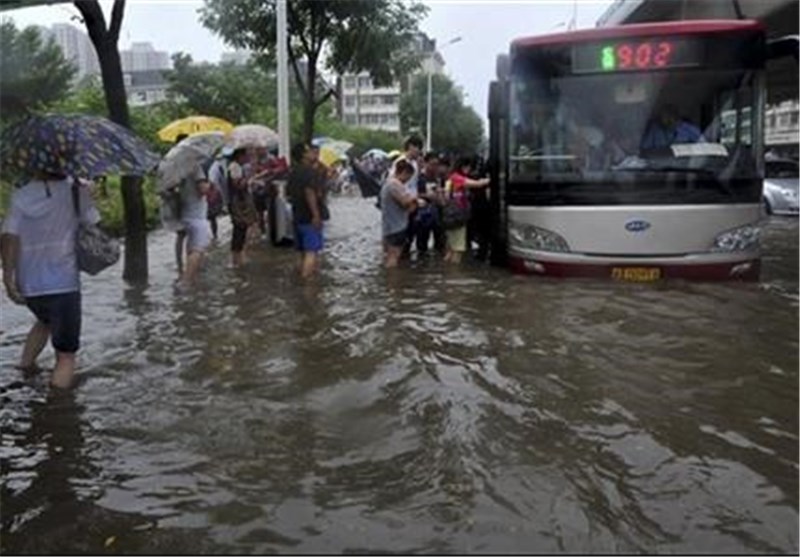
x: 94, y: 249
x: 455, y: 214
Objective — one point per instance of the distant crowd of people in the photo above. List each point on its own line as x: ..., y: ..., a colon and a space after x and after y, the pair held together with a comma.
x: 245, y: 184
x: 422, y: 198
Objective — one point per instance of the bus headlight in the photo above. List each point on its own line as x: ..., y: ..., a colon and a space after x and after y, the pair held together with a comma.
x: 739, y: 239
x: 527, y: 236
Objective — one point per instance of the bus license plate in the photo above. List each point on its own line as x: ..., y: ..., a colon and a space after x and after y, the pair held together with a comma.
x: 636, y: 274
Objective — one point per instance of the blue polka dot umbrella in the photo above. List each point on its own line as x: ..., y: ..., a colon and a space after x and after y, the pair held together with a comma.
x: 74, y: 145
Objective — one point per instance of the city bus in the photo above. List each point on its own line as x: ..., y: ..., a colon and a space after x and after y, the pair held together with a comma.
x: 632, y: 152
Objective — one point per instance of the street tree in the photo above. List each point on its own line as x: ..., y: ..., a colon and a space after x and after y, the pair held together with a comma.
x: 105, y: 38
x: 233, y: 92
x: 455, y: 126
x: 342, y: 36
x: 33, y: 71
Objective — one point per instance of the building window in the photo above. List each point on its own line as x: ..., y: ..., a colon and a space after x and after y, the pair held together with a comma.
x: 349, y: 100
x: 367, y: 100
x: 350, y: 82
x: 350, y: 119
x: 364, y: 82
x: 795, y: 117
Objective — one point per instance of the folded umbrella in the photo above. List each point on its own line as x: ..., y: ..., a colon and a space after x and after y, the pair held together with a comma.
x: 75, y: 145
x: 380, y: 153
x: 328, y: 156
x: 368, y: 185
x: 252, y: 135
x: 183, y: 159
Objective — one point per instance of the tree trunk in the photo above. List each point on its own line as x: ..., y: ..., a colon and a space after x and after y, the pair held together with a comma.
x: 105, y: 43
x: 309, y: 112
x: 310, y: 101
x: 135, y: 265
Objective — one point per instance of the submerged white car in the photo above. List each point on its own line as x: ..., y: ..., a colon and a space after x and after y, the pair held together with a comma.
x: 780, y: 187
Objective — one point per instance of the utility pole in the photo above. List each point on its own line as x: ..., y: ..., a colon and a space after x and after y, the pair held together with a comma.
x: 283, y: 82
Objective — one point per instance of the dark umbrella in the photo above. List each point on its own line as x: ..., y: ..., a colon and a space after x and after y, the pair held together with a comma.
x: 368, y: 185
x: 74, y: 145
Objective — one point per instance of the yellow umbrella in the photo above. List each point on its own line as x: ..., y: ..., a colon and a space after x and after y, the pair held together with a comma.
x: 329, y: 155
x: 192, y: 125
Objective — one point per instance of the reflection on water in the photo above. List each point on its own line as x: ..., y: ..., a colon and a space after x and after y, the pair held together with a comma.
x: 427, y: 410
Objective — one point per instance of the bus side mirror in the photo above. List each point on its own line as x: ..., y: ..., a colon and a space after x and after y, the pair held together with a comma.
x: 498, y: 101
x: 783, y: 47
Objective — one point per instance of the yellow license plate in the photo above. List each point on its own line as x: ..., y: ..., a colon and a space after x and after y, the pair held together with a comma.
x: 636, y: 274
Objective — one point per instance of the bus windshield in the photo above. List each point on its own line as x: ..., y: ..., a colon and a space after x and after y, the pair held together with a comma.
x: 682, y: 135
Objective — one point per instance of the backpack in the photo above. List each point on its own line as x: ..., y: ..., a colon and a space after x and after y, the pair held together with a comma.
x: 170, y: 208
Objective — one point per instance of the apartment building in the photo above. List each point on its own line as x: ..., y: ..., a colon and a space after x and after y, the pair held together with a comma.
x: 365, y: 105
x: 143, y: 57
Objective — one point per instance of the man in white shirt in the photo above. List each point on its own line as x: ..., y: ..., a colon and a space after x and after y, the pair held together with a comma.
x: 40, y: 267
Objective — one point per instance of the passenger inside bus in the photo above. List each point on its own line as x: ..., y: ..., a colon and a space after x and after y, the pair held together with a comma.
x: 669, y: 129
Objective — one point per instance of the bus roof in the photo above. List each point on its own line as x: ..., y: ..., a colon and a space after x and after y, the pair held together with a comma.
x: 685, y: 27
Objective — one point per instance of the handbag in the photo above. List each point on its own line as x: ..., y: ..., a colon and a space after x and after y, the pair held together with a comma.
x: 454, y: 215
x: 455, y: 212
x: 243, y: 209
x: 95, y: 250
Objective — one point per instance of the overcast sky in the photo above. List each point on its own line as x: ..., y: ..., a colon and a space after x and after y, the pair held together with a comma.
x: 486, y: 28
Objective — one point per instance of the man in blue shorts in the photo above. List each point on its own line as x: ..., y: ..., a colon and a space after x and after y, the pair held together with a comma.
x: 306, y: 193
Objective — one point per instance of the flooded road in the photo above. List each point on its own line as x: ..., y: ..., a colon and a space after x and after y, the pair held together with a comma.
x: 434, y: 411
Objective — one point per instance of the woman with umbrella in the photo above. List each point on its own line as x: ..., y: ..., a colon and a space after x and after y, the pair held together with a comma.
x: 242, y: 208
x: 38, y: 243
x: 184, y: 187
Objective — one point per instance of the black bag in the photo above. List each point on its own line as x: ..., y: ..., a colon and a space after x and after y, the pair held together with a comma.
x: 94, y: 249
x: 454, y: 215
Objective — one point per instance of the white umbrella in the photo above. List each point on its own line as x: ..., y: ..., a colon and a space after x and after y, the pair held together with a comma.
x: 252, y: 135
x: 380, y: 153
x: 184, y: 158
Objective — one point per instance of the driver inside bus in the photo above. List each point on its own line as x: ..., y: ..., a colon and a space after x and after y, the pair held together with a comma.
x: 669, y: 129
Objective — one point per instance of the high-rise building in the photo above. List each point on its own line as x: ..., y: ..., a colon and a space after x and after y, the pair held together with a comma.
x: 142, y: 57
x: 365, y: 105
x: 76, y: 46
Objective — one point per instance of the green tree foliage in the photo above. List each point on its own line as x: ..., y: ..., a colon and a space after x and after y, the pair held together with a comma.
x: 238, y: 94
x: 354, y: 35
x: 86, y: 97
x: 33, y: 72
x: 455, y: 127
x: 247, y: 94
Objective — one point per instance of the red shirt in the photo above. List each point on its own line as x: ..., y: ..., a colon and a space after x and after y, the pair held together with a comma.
x: 456, y: 186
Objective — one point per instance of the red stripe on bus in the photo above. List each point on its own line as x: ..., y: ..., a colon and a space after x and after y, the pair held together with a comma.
x: 641, y: 29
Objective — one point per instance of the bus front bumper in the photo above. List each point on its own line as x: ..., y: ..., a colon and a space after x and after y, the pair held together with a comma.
x: 710, y: 267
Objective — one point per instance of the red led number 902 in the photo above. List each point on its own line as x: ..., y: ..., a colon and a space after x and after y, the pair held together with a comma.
x: 644, y: 55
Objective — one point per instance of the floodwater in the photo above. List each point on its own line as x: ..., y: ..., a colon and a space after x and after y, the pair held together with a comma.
x: 433, y: 410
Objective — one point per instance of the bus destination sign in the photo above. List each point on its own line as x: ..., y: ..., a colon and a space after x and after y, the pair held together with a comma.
x: 635, y: 55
